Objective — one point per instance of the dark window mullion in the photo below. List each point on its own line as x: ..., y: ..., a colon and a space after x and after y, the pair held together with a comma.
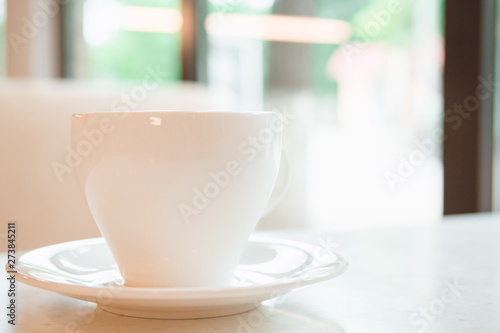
x: 486, y: 134
x: 467, y: 138
x: 189, y: 39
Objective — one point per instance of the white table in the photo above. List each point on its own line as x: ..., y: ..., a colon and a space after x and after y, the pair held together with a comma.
x: 443, y: 278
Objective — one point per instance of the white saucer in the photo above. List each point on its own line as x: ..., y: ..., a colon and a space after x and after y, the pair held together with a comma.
x: 86, y: 270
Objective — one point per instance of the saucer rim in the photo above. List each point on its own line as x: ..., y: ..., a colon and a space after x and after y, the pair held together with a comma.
x: 197, y: 293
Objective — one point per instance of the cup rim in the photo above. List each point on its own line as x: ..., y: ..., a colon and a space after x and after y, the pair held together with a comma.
x: 193, y: 112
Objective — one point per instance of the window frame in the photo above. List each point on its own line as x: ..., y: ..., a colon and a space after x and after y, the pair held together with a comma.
x: 468, y: 142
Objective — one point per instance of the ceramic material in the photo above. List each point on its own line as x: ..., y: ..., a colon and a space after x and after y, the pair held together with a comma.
x: 269, y: 268
x: 176, y: 194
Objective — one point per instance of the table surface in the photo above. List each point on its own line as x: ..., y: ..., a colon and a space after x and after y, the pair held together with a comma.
x: 441, y: 278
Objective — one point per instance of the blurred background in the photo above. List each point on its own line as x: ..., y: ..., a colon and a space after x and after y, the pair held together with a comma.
x: 361, y: 83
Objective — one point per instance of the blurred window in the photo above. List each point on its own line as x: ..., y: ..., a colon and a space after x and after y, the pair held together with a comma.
x: 121, y: 39
x: 362, y: 80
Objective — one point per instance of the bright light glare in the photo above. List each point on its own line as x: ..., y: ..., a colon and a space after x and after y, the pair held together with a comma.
x: 294, y: 29
x: 101, y: 20
x: 151, y: 19
x: 2, y: 11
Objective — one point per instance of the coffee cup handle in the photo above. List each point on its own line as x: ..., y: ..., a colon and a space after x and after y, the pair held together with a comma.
x: 282, y: 184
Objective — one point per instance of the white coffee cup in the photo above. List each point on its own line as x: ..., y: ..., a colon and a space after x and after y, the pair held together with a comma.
x: 176, y: 194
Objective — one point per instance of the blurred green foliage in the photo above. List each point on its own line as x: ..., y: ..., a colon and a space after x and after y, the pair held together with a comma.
x: 371, y: 22
x: 379, y: 22
x: 129, y: 53
x: 234, y: 6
